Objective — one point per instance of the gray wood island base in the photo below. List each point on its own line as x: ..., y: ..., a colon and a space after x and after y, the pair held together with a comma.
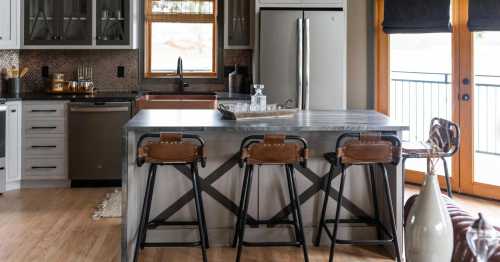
x: 222, y: 178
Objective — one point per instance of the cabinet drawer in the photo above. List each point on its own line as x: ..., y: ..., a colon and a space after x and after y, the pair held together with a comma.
x: 40, y: 147
x: 45, y: 110
x: 44, y: 167
x: 41, y: 127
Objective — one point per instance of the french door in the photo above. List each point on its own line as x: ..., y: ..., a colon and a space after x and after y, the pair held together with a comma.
x: 455, y: 76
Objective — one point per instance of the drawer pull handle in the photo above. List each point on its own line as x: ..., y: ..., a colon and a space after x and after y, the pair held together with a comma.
x: 43, y: 127
x: 43, y: 167
x: 2, y: 168
x: 43, y: 146
x: 43, y: 110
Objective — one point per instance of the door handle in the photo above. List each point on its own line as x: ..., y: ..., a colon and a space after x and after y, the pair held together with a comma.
x: 466, y: 81
x: 466, y: 97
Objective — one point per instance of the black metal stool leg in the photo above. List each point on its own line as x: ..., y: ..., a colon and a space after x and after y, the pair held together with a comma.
x: 388, y: 199
x: 243, y: 221
x: 197, y: 202
x: 240, y: 208
x: 375, y: 200
x: 337, y: 215
x: 447, y: 176
x: 150, y: 191
x: 321, y: 224
x: 143, y: 222
x: 204, y: 221
x: 299, y: 214
x: 292, y: 204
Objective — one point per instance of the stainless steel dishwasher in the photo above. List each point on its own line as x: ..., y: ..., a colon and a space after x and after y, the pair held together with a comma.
x: 95, y: 145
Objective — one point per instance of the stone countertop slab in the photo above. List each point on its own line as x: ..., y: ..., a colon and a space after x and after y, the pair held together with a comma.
x: 303, y: 121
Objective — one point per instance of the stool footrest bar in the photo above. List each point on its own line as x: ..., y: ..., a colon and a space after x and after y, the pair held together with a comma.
x: 155, y: 224
x: 172, y: 244
x: 272, y: 244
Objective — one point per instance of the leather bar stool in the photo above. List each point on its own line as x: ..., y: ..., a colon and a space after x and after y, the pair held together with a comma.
x: 443, y: 142
x: 171, y: 149
x: 282, y: 150
x: 367, y: 149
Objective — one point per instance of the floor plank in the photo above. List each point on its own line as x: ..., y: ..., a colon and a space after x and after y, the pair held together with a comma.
x: 56, y: 225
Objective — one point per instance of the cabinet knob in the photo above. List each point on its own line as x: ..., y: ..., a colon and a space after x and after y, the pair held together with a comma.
x: 466, y: 97
x: 54, y: 38
x: 1, y: 37
x: 13, y: 110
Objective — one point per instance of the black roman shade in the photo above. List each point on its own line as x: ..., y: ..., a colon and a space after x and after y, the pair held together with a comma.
x: 484, y: 15
x: 417, y: 16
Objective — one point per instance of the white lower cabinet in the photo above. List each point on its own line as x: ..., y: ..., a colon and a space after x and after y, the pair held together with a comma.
x: 44, y: 147
x: 13, y: 145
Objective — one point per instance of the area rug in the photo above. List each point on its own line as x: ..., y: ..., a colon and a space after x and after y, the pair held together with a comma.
x: 110, y: 207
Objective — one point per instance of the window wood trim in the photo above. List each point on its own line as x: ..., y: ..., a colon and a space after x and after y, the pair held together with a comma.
x: 151, y: 17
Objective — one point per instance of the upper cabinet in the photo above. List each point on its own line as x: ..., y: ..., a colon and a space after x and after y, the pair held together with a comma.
x: 9, y: 24
x: 113, y: 22
x: 58, y: 22
x: 238, y: 24
x: 82, y: 24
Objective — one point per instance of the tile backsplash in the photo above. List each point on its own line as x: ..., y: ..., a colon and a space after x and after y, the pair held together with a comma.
x: 104, y: 62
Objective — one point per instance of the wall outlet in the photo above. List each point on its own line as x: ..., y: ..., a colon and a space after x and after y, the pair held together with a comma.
x: 120, y: 72
x: 45, y: 72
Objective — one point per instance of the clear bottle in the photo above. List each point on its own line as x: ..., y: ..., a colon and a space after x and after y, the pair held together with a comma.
x: 258, y: 100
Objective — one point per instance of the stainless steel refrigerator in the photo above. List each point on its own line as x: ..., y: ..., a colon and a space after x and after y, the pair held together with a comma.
x: 302, y: 56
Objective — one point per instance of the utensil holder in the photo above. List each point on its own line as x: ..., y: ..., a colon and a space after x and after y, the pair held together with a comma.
x: 14, y: 86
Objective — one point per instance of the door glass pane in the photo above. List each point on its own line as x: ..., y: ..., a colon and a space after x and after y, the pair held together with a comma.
x: 487, y: 107
x: 41, y: 20
x: 76, y: 20
x: 420, y: 85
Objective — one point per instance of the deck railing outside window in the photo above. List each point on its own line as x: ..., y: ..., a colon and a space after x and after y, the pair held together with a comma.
x: 417, y: 97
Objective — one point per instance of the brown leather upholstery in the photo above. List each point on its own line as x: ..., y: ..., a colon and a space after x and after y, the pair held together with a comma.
x: 461, y: 221
x: 170, y: 149
x: 273, y: 150
x: 369, y: 148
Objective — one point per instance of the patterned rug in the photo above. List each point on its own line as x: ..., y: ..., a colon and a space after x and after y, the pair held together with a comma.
x: 111, y: 206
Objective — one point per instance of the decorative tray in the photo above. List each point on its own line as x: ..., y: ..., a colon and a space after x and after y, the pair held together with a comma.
x: 227, y: 114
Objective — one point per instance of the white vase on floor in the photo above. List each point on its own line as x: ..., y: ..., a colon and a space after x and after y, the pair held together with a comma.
x: 429, y: 231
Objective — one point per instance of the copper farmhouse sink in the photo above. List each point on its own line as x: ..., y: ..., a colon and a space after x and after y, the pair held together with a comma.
x: 177, y: 101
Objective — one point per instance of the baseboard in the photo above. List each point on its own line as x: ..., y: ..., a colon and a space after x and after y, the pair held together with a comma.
x: 45, y: 183
x: 13, y: 185
x: 223, y: 236
x: 97, y: 183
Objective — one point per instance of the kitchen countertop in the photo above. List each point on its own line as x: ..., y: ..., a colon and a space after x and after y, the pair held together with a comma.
x: 210, y: 120
x: 104, y: 96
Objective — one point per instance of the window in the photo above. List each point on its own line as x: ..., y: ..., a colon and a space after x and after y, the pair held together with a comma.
x: 180, y: 28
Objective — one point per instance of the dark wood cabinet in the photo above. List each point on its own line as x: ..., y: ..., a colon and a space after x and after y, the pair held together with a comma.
x: 112, y: 22
x: 58, y: 22
x: 82, y: 23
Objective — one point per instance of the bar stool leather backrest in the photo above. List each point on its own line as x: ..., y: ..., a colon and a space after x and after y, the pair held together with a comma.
x: 367, y: 148
x: 274, y: 149
x: 170, y: 148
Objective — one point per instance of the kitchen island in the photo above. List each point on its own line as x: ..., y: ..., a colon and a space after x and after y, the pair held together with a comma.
x: 222, y: 177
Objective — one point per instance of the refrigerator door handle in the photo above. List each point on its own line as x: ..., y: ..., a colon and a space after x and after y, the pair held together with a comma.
x: 307, y: 65
x: 300, y: 62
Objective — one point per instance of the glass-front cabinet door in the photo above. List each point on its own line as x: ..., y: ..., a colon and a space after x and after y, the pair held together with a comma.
x: 76, y: 22
x: 112, y: 22
x: 40, y: 22
x: 58, y: 22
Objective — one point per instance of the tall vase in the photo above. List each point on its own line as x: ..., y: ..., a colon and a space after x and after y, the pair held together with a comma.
x: 429, y: 231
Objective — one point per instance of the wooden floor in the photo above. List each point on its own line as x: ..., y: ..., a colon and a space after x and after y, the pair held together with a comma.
x: 56, y: 225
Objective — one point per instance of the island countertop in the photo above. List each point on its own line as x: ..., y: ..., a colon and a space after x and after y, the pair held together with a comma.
x: 303, y: 121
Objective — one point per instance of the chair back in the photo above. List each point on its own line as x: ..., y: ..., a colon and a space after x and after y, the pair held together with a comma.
x: 170, y: 148
x: 275, y: 149
x: 368, y: 148
x: 444, y: 135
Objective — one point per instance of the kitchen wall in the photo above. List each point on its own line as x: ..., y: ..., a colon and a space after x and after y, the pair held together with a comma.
x: 360, y: 54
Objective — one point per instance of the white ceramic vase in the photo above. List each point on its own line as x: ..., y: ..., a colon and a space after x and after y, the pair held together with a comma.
x: 429, y: 232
